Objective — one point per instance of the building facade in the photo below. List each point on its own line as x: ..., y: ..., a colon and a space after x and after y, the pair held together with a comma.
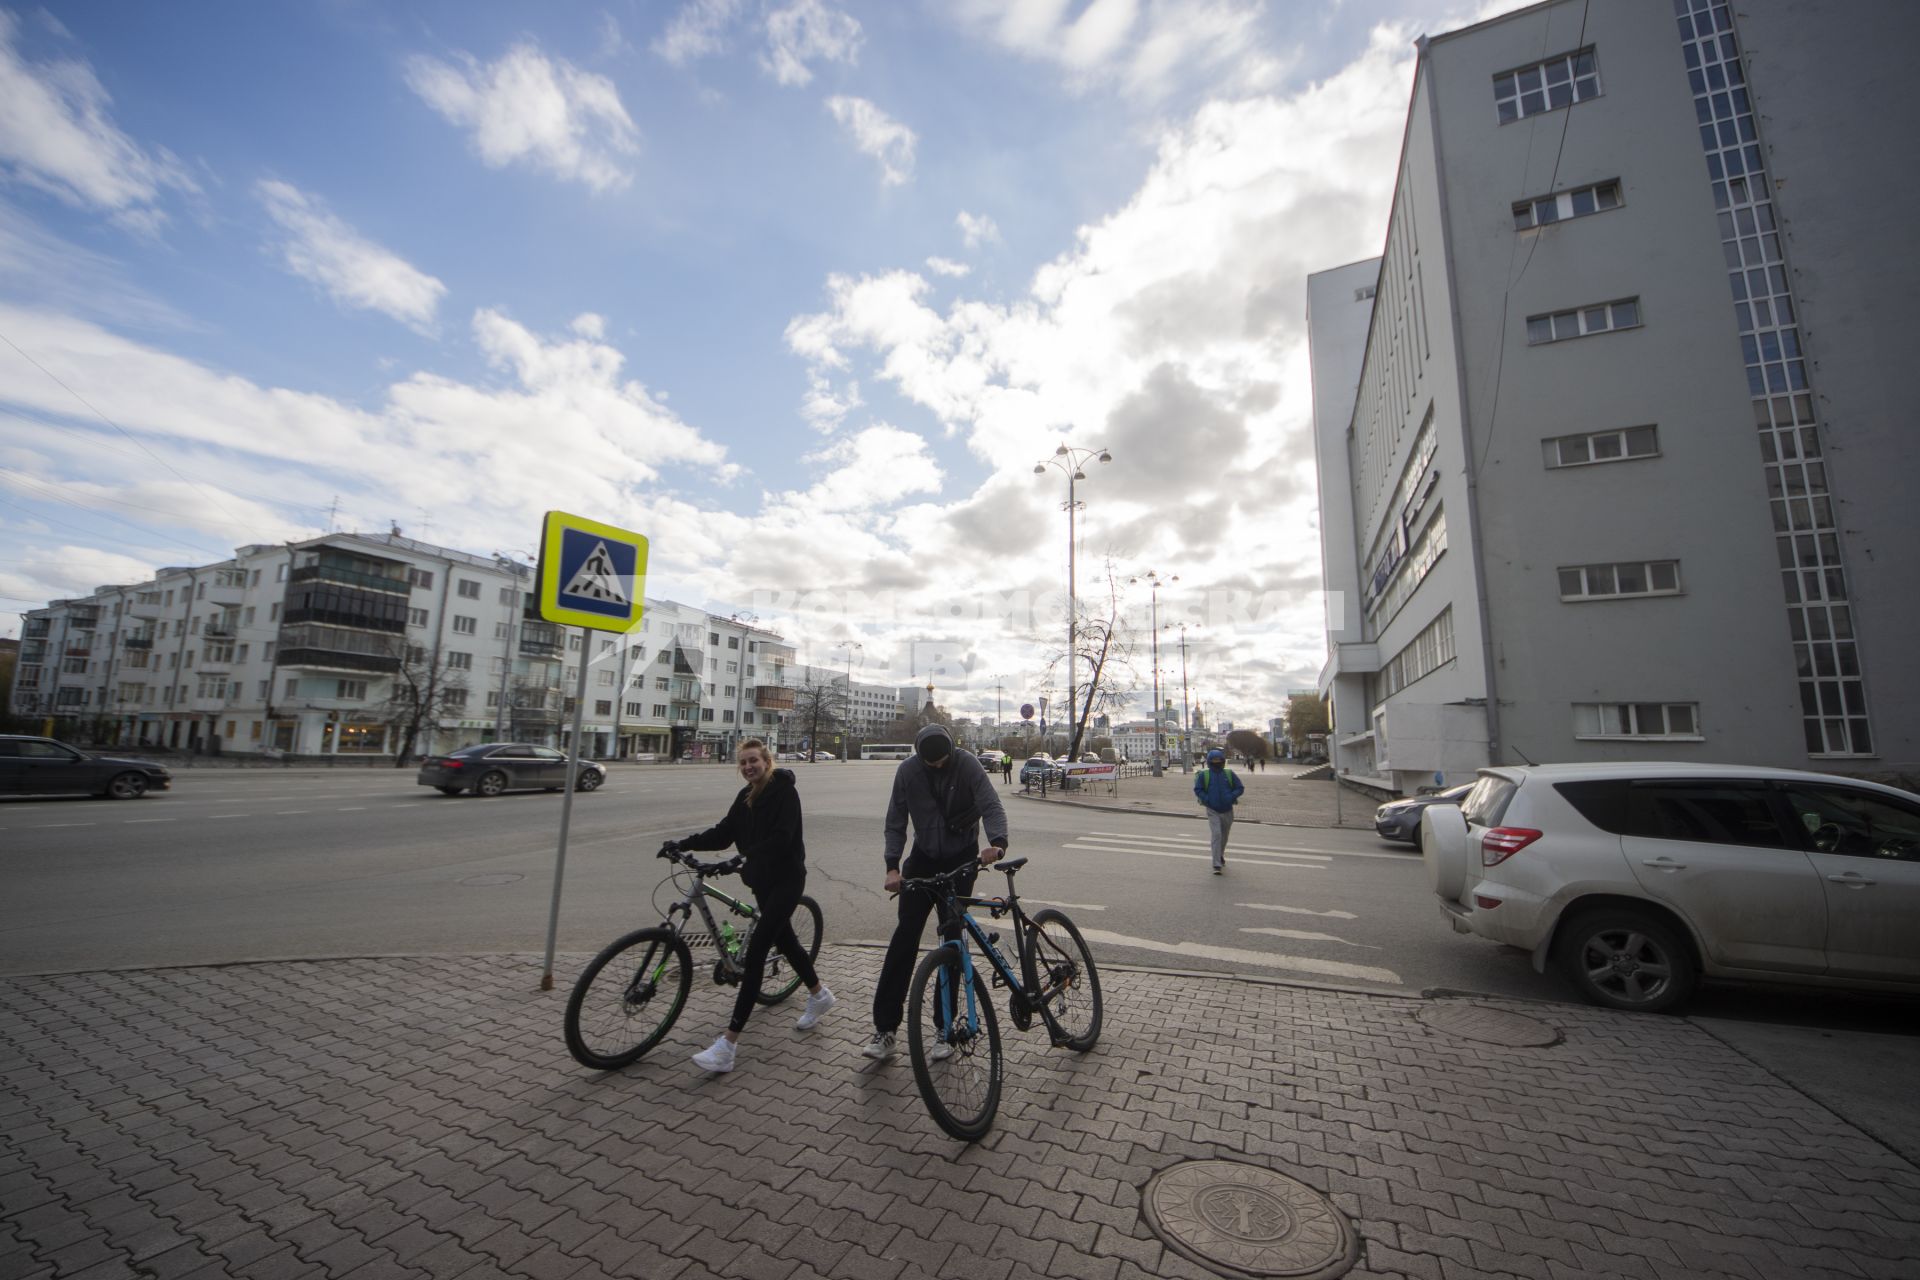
x: 1608, y: 465
x: 339, y: 645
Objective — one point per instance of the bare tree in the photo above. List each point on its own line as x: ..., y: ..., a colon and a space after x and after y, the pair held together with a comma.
x: 822, y: 706
x: 1104, y: 651
x: 1306, y: 714
x: 420, y: 692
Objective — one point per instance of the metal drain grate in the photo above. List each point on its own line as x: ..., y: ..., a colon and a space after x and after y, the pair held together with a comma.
x: 1244, y: 1220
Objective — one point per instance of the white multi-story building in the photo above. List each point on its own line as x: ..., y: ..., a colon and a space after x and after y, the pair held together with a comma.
x: 1612, y: 457
x: 325, y: 647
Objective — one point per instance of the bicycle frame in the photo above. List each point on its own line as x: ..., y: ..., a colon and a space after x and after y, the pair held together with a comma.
x: 680, y: 914
x: 1026, y: 1001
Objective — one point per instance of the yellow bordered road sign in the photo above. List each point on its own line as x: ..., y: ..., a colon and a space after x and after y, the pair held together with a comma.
x: 591, y: 574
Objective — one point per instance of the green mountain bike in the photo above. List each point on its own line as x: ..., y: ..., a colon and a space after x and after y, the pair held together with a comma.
x: 628, y: 996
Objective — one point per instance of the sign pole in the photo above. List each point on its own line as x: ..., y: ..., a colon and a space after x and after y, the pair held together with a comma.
x: 566, y: 807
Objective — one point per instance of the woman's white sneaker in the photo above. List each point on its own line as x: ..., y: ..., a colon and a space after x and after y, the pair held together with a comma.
x: 717, y: 1058
x: 816, y: 1005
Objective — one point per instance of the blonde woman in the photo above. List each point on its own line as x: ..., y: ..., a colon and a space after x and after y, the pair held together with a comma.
x: 764, y: 825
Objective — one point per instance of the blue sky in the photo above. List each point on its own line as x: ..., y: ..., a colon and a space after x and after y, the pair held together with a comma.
x: 801, y: 289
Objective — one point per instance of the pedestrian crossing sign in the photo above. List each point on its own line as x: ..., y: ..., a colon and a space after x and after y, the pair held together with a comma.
x: 591, y: 574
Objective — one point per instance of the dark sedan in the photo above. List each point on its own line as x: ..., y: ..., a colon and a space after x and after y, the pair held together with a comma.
x: 41, y: 766
x: 1400, y: 819
x: 489, y: 768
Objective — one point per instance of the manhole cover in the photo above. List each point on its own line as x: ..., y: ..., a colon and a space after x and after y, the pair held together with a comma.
x: 481, y: 882
x: 1248, y: 1221
x: 1489, y: 1026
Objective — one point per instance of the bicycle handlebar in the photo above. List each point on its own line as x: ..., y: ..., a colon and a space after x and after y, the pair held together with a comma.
x: 693, y: 864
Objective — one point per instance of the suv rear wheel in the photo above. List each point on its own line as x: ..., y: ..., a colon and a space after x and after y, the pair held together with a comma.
x: 1626, y: 959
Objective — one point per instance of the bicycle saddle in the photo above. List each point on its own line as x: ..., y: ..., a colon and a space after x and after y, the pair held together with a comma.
x: 1010, y: 866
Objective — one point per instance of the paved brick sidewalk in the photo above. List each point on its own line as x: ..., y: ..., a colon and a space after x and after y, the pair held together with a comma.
x: 1272, y: 795
x: 419, y: 1117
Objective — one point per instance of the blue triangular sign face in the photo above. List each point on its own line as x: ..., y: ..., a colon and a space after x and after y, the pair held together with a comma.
x: 596, y: 579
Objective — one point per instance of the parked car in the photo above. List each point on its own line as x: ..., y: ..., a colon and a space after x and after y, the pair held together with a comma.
x: 489, y: 768
x: 42, y: 766
x: 1637, y: 880
x: 990, y: 760
x: 824, y: 755
x: 1041, y: 767
x: 1400, y: 819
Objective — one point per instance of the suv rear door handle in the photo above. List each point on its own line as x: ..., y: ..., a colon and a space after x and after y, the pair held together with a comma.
x: 1663, y: 864
x: 1852, y: 879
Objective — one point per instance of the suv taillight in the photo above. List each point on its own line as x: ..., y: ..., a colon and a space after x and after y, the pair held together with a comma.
x: 1502, y: 843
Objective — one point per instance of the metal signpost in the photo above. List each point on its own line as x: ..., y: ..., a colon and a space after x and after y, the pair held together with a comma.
x: 592, y: 576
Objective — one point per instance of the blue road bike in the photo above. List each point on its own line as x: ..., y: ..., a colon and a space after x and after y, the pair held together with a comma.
x: 953, y: 1033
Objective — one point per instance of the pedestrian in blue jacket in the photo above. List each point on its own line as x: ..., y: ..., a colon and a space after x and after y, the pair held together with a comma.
x: 1218, y: 789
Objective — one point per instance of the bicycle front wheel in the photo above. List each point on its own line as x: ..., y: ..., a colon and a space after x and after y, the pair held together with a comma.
x: 778, y: 980
x: 1063, y: 967
x: 961, y: 1089
x: 627, y: 998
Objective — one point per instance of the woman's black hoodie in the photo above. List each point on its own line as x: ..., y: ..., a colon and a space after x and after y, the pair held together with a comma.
x: 766, y: 832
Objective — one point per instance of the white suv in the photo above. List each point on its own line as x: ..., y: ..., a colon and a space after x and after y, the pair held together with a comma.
x: 1637, y: 880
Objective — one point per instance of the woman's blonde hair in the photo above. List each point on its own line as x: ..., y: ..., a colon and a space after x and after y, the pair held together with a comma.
x: 755, y: 744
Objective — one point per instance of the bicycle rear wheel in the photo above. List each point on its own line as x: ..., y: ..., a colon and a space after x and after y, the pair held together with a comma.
x: 962, y: 1092
x: 627, y: 998
x: 1063, y: 965
x: 779, y: 980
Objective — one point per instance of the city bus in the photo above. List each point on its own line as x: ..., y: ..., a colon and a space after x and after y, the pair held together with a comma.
x: 886, y: 751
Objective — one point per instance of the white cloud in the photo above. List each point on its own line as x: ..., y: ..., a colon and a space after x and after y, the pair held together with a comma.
x: 57, y: 572
x: 530, y: 109
x: 804, y: 31
x: 977, y: 229
x: 877, y: 134
x: 947, y: 267
x: 697, y: 31
x: 56, y: 134
x: 613, y: 42
x: 824, y: 406
x: 1141, y: 46
x: 352, y: 269
x: 875, y: 467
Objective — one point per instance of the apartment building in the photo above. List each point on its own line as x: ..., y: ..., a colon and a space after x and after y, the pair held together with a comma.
x: 334, y: 646
x: 1609, y: 456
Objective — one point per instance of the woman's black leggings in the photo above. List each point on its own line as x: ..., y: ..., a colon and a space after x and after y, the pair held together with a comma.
x: 775, y: 929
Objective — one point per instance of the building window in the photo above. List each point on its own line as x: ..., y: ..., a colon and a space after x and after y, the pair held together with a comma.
x: 1577, y: 203
x: 605, y: 676
x: 659, y: 711
x: 1626, y: 578
x: 1364, y: 292
x: 273, y: 613
x: 660, y: 684
x: 573, y: 643
x: 1546, y: 86
x: 506, y: 596
x: 458, y: 661
x: 416, y: 617
x: 468, y: 588
x: 713, y: 638
x: 1636, y: 720
x: 1601, y: 446
x: 419, y: 577
x: 729, y: 691
x: 500, y: 630
x: 493, y: 698
x: 1423, y: 655
x: 464, y: 626
x: 747, y: 718
x: 352, y: 690
x: 246, y: 618
x: 727, y: 717
x: 733, y: 668
x: 292, y: 690
x: 733, y: 642
x: 454, y: 699
x: 1602, y: 317
x: 603, y: 708
x: 633, y: 709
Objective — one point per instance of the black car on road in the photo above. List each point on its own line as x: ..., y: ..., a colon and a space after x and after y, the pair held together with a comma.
x: 1400, y: 819
x: 42, y: 766
x: 488, y: 768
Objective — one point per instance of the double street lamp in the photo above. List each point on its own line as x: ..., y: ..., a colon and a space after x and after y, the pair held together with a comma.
x: 1154, y: 581
x: 845, y: 753
x: 1070, y: 461
x: 1186, y: 718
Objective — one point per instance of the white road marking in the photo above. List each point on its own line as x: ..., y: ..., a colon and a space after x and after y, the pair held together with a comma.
x: 352, y: 808
x: 1300, y: 935
x: 1233, y: 856
x: 1297, y: 911
x: 1175, y: 842
x: 1072, y: 906
x: 1201, y: 842
x: 48, y: 826
x: 131, y: 822
x: 290, y: 812
x: 215, y: 817
x: 1239, y: 955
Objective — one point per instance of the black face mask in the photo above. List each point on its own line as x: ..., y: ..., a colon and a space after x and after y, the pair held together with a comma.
x: 934, y: 749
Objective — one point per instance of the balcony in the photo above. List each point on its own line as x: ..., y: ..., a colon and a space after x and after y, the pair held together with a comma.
x: 772, y: 697
x: 218, y: 628
x: 337, y: 660
x: 33, y: 651
x: 540, y: 640
x: 768, y: 651
x: 349, y: 577
x: 144, y: 607
x: 137, y: 642
x: 85, y: 620
x: 79, y: 650
x: 36, y: 629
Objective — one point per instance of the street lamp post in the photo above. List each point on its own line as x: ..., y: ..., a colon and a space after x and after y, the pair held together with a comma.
x: 1153, y: 579
x: 849, y: 646
x: 745, y: 622
x: 1070, y: 461
x: 1186, y: 727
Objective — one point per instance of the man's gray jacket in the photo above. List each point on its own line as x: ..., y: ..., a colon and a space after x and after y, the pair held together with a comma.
x: 917, y: 792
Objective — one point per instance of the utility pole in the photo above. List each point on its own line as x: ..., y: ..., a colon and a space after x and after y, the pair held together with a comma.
x: 1070, y: 461
x: 1153, y: 579
x: 846, y: 752
x: 1186, y: 719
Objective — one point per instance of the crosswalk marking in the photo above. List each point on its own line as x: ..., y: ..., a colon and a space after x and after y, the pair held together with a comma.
x: 1301, y: 935
x: 1204, y: 846
x: 1298, y: 911
x: 1070, y: 906
x: 1233, y: 845
x: 1234, y: 856
x: 1240, y: 955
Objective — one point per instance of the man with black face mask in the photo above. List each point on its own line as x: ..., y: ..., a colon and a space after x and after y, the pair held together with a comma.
x: 947, y: 796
